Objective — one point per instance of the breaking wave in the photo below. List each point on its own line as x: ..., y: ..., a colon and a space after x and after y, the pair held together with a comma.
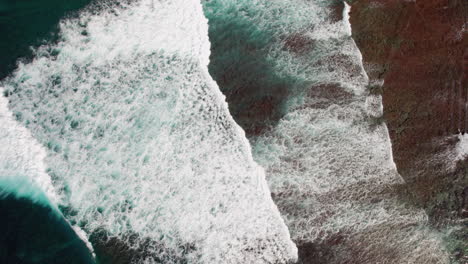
x: 121, y: 127
x: 141, y: 148
x: 327, y: 153
x: 33, y: 229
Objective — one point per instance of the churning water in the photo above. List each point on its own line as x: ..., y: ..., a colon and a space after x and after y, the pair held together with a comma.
x: 120, y: 126
x: 139, y: 139
x: 328, y: 156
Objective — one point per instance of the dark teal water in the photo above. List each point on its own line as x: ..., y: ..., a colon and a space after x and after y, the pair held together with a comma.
x: 240, y: 64
x: 26, y: 23
x: 33, y: 233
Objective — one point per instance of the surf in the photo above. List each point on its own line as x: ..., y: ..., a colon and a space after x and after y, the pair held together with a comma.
x: 140, y: 145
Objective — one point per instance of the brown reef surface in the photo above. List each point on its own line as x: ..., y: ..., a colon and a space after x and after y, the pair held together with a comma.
x: 416, y: 55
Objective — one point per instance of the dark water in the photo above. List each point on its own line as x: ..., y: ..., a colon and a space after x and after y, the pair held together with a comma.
x: 26, y: 23
x: 35, y: 233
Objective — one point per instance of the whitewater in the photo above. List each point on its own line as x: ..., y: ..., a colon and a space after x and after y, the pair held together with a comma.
x: 140, y: 141
x: 22, y: 171
x: 328, y: 159
x: 120, y: 125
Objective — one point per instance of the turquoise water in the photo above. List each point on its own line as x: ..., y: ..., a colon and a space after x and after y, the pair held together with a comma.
x: 240, y: 66
x: 33, y: 231
x: 241, y: 61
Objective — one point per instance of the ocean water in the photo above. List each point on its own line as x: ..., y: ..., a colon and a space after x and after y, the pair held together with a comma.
x: 29, y: 23
x: 36, y: 233
x: 32, y: 228
x: 117, y: 128
x: 140, y: 147
x: 327, y: 153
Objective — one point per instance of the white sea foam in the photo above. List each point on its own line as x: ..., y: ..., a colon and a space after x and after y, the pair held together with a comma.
x: 453, y: 153
x: 22, y: 170
x: 462, y: 146
x: 140, y: 139
x: 83, y: 236
x: 347, y: 24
